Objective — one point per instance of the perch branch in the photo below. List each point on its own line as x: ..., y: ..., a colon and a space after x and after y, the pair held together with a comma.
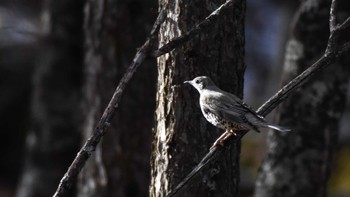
x: 331, y: 54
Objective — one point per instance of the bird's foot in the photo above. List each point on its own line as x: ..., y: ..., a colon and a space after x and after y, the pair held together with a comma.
x: 232, y: 132
x: 222, y: 138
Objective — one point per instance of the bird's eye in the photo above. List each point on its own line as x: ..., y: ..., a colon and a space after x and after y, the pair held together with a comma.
x: 197, y: 81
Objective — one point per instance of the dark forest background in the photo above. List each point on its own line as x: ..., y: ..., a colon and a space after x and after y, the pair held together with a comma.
x: 47, y: 83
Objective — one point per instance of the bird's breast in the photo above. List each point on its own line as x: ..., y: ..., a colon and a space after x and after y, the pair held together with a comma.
x: 220, y: 122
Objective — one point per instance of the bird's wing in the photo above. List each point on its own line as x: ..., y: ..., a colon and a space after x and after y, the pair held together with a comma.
x: 231, y: 107
x: 252, y: 111
x: 224, y: 106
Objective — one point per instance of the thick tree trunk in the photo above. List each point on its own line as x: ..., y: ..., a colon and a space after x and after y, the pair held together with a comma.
x: 182, y: 136
x: 120, y: 165
x: 53, y: 137
x: 299, y: 163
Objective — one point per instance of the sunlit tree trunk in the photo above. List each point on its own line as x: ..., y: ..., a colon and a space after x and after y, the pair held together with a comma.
x: 182, y: 136
x: 299, y: 163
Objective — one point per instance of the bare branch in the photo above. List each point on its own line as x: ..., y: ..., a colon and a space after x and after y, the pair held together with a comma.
x: 212, y: 156
x: 284, y: 92
x: 331, y: 55
x: 332, y: 17
x: 332, y: 27
x: 90, y: 145
x: 344, y: 25
x: 335, y: 30
x: 194, y: 31
x: 156, y: 26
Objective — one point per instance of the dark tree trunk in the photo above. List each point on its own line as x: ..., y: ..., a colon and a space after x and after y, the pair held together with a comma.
x: 120, y: 166
x: 298, y: 164
x: 182, y: 136
x: 53, y: 137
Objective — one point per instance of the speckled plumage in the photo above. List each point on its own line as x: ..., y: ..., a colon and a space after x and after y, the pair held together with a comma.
x: 225, y: 110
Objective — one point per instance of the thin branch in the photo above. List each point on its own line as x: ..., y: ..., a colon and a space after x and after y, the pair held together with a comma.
x: 194, y: 31
x: 344, y: 25
x: 332, y: 27
x: 90, y: 145
x: 212, y: 156
x: 335, y: 30
x: 330, y: 56
x: 284, y: 92
x: 332, y: 17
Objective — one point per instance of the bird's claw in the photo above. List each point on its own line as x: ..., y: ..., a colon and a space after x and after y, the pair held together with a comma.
x: 222, y: 138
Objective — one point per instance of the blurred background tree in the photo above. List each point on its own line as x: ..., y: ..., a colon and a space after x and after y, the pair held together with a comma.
x: 299, y: 164
x: 53, y: 135
x: 42, y: 42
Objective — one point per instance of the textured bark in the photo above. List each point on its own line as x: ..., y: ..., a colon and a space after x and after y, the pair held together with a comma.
x: 120, y: 165
x: 53, y: 137
x: 299, y: 163
x: 182, y: 136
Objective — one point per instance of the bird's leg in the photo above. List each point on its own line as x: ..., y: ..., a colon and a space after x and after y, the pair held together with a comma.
x: 232, y: 132
x: 219, y: 140
x: 223, y: 137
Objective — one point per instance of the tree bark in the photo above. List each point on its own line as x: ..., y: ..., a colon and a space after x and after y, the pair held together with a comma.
x: 53, y: 137
x: 299, y: 163
x: 120, y: 165
x: 182, y: 136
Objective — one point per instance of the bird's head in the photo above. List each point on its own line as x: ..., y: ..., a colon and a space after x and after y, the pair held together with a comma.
x: 201, y: 83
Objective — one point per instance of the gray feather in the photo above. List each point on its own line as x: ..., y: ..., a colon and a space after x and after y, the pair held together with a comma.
x: 278, y: 128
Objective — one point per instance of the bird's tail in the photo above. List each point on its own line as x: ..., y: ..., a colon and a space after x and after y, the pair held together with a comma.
x: 278, y: 128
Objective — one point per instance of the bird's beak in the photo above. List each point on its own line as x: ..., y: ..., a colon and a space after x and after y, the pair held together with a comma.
x: 189, y: 82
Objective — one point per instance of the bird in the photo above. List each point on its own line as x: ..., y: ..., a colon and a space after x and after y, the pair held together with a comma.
x: 226, y: 111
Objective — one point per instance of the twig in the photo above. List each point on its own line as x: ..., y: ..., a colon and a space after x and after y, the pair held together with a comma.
x: 344, y: 25
x: 332, y: 17
x: 90, y: 145
x: 284, y: 92
x: 332, y: 27
x: 194, y: 31
x: 331, y: 55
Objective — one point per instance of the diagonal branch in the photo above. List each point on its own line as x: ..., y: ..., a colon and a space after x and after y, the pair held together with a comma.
x: 283, y: 93
x: 332, y: 27
x: 335, y: 30
x: 194, y: 31
x: 101, y: 128
x: 344, y: 25
x: 332, y: 17
x: 331, y: 55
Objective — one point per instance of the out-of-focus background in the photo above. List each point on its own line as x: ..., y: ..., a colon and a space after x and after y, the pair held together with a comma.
x: 24, y: 39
